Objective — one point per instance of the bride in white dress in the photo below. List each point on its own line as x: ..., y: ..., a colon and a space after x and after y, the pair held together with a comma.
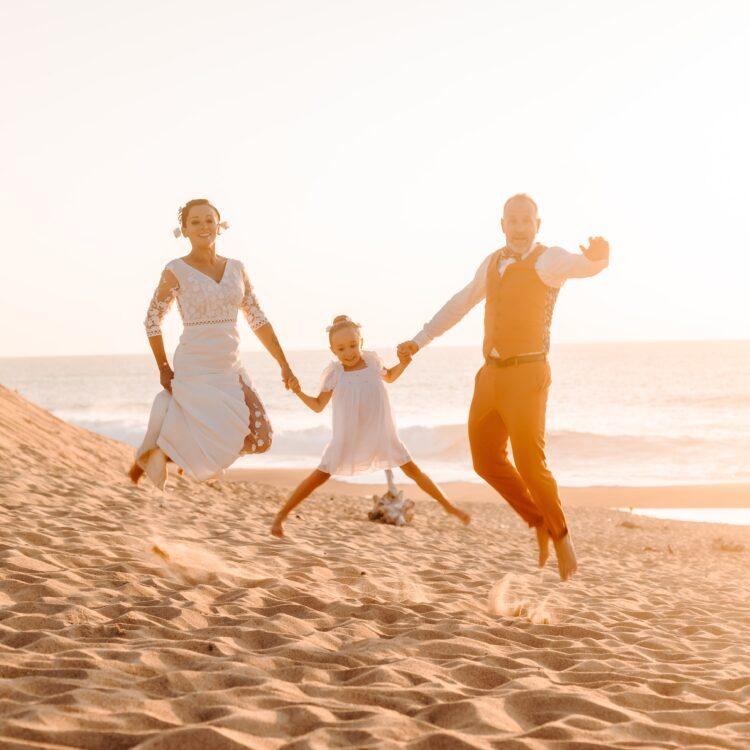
x: 208, y: 413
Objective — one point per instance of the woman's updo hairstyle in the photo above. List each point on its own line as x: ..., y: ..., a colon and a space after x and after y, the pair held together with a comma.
x: 182, y: 213
x: 339, y: 322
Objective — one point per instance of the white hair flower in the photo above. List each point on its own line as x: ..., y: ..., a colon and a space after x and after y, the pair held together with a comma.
x: 224, y: 225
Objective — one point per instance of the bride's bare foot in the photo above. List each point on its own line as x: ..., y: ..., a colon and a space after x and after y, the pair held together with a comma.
x: 277, y: 529
x: 542, y: 539
x: 566, y: 557
x: 135, y: 473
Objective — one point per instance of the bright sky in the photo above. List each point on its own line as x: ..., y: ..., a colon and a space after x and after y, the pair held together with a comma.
x: 362, y: 152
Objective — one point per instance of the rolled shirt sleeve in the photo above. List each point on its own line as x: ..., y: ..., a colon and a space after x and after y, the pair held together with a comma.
x: 556, y: 266
x: 456, y: 307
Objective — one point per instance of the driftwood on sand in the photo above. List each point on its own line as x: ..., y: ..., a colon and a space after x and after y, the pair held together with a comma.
x: 391, y: 507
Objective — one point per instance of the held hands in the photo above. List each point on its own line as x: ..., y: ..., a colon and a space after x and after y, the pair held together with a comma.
x: 289, y: 379
x: 406, y: 350
x: 598, y: 249
x: 165, y: 377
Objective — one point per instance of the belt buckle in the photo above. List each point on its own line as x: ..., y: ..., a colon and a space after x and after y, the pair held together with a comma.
x: 500, y: 362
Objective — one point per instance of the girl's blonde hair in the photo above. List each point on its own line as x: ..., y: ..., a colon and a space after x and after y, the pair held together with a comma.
x: 339, y: 322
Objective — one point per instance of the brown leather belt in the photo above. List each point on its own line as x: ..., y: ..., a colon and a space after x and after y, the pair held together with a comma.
x: 521, y: 359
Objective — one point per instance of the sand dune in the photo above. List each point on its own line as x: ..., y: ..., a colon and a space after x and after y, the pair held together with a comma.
x: 347, y: 633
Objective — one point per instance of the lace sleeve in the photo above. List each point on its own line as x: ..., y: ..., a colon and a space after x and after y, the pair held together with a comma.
x: 250, y: 306
x: 161, y: 302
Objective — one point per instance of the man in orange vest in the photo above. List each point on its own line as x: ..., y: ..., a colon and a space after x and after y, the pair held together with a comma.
x: 520, y: 283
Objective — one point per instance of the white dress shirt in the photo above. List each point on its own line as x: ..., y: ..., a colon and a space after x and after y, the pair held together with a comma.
x: 554, y: 266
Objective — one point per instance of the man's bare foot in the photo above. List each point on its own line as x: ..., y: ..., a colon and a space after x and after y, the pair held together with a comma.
x: 542, y: 539
x: 465, y: 518
x: 566, y: 557
x: 277, y: 529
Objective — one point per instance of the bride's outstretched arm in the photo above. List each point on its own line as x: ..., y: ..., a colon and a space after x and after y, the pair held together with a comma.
x: 268, y: 338
x: 262, y: 328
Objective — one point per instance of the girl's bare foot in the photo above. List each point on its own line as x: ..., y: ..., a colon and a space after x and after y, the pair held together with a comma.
x: 566, y: 557
x: 542, y: 539
x: 277, y: 529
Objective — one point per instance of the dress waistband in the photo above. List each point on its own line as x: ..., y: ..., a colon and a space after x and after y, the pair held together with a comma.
x: 211, y: 322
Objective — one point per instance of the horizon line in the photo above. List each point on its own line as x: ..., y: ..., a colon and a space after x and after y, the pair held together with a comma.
x: 390, y: 346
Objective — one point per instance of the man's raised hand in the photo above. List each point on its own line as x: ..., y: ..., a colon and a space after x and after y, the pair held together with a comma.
x: 598, y: 249
x: 407, y: 349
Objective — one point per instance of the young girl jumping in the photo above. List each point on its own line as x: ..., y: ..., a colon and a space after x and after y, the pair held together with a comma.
x: 364, y: 431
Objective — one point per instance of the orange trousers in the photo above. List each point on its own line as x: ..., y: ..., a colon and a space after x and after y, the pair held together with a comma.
x: 511, y: 402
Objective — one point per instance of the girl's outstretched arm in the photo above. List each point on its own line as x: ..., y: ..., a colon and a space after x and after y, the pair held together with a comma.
x: 262, y: 328
x: 316, y: 404
x: 393, y: 373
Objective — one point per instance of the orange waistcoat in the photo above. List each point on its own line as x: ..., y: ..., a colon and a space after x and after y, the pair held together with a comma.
x: 519, y: 307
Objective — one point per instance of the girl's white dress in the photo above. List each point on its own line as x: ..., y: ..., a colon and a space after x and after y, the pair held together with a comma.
x: 364, y: 430
x: 203, y: 424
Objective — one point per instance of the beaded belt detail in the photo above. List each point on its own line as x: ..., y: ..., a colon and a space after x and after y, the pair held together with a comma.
x: 211, y: 322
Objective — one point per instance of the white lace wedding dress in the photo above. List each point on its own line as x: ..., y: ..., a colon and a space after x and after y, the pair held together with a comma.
x: 213, y: 412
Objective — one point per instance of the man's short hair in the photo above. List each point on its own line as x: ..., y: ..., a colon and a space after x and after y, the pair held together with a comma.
x: 523, y: 196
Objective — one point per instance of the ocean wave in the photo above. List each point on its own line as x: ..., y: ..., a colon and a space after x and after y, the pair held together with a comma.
x: 676, y: 418
x: 449, y: 442
x: 576, y: 457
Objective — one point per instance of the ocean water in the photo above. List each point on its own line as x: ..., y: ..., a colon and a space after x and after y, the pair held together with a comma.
x: 732, y: 516
x: 619, y: 414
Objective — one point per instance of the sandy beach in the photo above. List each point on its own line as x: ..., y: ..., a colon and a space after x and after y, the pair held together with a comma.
x: 131, y: 619
x: 689, y: 496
